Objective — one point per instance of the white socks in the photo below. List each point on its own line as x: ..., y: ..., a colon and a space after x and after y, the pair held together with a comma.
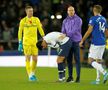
x: 99, y: 67
x: 98, y: 75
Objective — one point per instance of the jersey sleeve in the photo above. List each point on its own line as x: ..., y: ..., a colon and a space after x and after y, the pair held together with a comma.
x: 39, y: 26
x: 51, y: 43
x: 21, y: 26
x: 63, y: 27
x: 92, y: 21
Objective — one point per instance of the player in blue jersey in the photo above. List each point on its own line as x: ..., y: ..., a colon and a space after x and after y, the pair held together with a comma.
x: 97, y: 27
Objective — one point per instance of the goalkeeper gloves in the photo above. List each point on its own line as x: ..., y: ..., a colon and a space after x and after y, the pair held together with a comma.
x: 20, y: 47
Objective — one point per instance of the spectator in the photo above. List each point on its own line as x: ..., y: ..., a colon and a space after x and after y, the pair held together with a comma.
x: 105, y: 56
x: 1, y: 48
x: 46, y: 25
x: 7, y: 38
x: 0, y: 33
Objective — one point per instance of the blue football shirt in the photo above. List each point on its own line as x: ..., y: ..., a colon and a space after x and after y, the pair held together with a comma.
x: 99, y: 26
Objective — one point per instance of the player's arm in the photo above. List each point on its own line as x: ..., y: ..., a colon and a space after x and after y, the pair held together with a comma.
x: 20, y: 31
x: 62, y: 36
x: 90, y: 29
x: 39, y: 26
x: 20, y: 47
x: 51, y: 43
x: 106, y: 32
x: 63, y: 28
x: 55, y: 45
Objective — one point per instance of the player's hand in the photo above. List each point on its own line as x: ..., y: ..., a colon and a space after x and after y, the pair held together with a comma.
x: 81, y: 44
x: 20, y: 47
x: 58, y: 50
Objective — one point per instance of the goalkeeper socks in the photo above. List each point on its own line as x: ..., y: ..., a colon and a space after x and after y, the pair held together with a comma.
x: 60, y: 71
x: 33, y: 65
x: 99, y: 67
x: 28, y: 67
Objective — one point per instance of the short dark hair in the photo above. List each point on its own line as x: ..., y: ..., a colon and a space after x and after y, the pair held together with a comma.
x: 98, y: 8
x: 39, y: 44
x: 28, y: 7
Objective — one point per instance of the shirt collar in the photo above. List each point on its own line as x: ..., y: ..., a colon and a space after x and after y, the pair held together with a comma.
x: 99, y: 15
x: 29, y: 18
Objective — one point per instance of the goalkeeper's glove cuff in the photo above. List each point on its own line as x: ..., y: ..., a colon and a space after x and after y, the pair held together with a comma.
x: 20, y: 42
x: 20, y: 47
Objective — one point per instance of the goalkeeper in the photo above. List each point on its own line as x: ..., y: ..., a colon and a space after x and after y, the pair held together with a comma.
x: 27, y: 36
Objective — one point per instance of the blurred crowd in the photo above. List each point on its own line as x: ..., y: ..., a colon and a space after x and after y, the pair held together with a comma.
x: 11, y: 11
x: 51, y: 14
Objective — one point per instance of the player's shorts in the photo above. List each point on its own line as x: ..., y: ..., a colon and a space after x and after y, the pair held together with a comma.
x: 65, y: 49
x: 30, y: 50
x: 96, y: 52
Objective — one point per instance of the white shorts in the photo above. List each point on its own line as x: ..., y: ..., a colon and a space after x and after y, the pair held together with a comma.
x: 96, y: 52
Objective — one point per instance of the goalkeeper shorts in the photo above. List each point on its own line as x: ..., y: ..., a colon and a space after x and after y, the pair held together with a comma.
x: 30, y: 50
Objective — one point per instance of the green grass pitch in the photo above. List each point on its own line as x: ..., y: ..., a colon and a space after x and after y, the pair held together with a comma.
x: 15, y: 78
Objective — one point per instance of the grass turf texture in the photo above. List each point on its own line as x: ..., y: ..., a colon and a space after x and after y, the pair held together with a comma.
x: 16, y: 79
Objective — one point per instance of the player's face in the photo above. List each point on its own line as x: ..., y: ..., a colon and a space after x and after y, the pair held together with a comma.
x: 29, y: 12
x: 94, y: 11
x: 44, y: 44
x: 71, y: 11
